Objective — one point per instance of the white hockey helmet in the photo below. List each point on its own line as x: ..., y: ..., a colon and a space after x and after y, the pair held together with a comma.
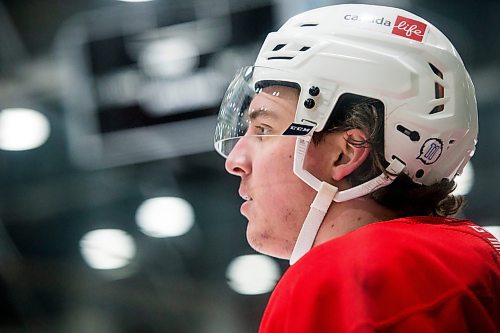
x: 380, y: 52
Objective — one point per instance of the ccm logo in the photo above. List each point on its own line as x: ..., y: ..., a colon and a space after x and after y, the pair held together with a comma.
x: 409, y: 28
x: 297, y: 129
x: 300, y: 129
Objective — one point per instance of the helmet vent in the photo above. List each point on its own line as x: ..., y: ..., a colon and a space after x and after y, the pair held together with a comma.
x: 279, y: 47
x: 309, y: 24
x: 438, y: 89
x: 291, y: 52
x: 280, y: 58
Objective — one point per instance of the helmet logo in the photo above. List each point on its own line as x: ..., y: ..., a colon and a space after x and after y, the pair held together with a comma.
x: 368, y: 19
x: 430, y: 151
x: 409, y: 28
x: 298, y: 129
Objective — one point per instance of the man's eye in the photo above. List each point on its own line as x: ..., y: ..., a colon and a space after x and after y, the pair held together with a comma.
x: 262, y: 130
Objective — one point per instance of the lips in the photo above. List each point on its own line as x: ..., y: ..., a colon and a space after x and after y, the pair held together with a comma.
x: 244, y: 196
x: 244, y: 209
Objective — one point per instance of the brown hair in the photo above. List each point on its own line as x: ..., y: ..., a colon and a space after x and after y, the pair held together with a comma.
x: 403, y: 196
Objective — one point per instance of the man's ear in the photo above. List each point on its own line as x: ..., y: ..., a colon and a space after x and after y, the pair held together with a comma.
x: 351, y: 155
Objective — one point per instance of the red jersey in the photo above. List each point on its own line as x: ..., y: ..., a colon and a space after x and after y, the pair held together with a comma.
x: 419, y: 274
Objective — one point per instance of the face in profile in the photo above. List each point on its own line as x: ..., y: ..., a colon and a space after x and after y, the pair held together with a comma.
x: 276, y: 200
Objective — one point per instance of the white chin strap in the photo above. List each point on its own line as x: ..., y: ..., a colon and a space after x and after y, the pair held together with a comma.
x: 328, y: 193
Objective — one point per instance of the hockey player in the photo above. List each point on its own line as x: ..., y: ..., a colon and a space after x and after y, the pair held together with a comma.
x: 347, y: 134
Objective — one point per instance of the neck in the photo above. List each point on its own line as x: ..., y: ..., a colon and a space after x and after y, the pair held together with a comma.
x: 348, y: 216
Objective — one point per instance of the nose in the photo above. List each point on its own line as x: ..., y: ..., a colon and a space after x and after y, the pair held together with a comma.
x: 238, y: 161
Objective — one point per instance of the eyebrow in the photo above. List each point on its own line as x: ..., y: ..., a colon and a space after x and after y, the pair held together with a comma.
x: 262, y: 113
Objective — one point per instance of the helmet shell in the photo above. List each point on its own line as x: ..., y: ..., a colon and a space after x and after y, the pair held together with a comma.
x: 391, y: 55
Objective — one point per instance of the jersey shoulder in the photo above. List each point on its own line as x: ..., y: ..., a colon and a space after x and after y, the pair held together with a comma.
x: 419, y: 250
x: 384, y: 275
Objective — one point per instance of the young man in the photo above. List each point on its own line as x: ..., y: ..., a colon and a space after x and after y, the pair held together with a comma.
x: 347, y: 134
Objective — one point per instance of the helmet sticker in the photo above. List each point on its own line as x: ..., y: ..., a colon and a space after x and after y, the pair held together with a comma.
x: 430, y: 151
x: 368, y: 19
x: 298, y: 129
x: 369, y: 22
x: 401, y: 26
x: 409, y: 28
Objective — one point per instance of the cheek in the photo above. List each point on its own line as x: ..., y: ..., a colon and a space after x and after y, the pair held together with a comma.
x: 274, y: 167
x: 281, y: 201
x: 286, y: 194
x: 285, y: 203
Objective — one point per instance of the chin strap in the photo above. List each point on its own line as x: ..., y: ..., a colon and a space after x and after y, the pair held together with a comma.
x: 328, y: 193
x: 382, y: 180
x: 311, y: 225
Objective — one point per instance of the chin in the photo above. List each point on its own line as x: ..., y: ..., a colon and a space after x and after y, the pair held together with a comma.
x: 262, y: 244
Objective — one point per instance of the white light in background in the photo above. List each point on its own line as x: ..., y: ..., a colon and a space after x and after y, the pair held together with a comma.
x: 107, y: 248
x: 22, y: 129
x: 169, y: 57
x: 465, y: 180
x: 165, y: 217
x: 252, y: 274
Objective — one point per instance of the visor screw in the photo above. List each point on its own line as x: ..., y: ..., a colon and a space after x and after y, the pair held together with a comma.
x: 314, y: 91
x: 309, y: 103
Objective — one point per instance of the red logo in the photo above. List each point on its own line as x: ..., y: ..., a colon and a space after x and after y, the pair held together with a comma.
x: 409, y: 28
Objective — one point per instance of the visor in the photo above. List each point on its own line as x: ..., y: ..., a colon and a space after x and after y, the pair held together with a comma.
x: 257, y: 104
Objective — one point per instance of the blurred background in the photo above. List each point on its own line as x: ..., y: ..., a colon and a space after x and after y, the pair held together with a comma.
x: 116, y: 214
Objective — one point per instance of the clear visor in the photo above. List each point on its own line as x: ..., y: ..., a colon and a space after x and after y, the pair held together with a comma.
x: 258, y: 102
